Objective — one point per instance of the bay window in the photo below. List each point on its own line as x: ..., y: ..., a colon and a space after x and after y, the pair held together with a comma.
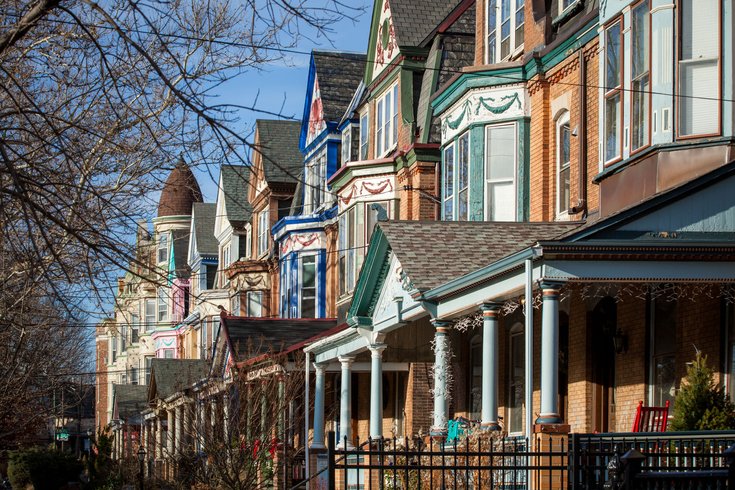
x: 364, y: 131
x: 640, y: 76
x: 386, y: 118
x: 500, y: 172
x: 505, y: 23
x: 356, y: 226
x: 263, y: 232
x: 150, y: 315
x: 613, y: 91
x: 134, y: 328
x: 699, y: 68
x: 163, y: 248
x: 307, y: 298
x: 255, y: 304
x: 456, y: 179
x: 162, y: 305
x: 563, y: 160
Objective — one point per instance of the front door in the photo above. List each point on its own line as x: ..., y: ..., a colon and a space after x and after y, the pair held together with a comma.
x: 601, y: 326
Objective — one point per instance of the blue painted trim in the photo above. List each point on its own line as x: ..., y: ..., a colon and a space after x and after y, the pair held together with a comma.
x: 307, y: 104
x: 333, y: 148
x: 321, y: 281
x: 330, y: 130
x: 318, y: 219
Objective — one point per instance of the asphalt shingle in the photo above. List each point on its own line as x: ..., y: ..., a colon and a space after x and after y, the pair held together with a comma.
x: 169, y: 376
x: 235, y: 184
x: 278, y: 143
x: 435, y: 252
x: 338, y: 74
x: 203, y: 215
x: 415, y: 20
x: 130, y: 400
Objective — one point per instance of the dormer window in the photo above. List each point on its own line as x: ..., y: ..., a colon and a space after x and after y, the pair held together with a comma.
x: 346, y: 145
x: 163, y: 248
x: 505, y: 21
x: 386, y: 121
x: 263, y: 232
x: 316, y: 177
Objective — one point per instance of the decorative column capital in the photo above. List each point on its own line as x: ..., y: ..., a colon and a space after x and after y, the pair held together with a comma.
x: 346, y: 361
x: 376, y: 350
x: 441, y: 326
x: 490, y: 308
x: 320, y: 368
x: 550, y: 287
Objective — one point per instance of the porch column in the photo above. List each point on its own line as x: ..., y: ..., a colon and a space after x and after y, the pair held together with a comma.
x: 226, y: 416
x: 179, y: 416
x: 549, y: 354
x: 490, y: 372
x: 186, y: 426
x: 201, y: 423
x: 376, y: 390
x: 170, y: 432
x: 281, y: 422
x: 317, y: 441
x: 159, y: 436
x: 345, y: 420
x: 441, y: 350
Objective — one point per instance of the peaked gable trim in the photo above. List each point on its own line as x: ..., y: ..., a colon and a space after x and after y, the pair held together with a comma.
x: 371, y: 278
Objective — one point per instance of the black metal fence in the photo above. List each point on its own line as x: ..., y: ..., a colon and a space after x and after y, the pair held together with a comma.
x: 696, y: 460
x: 471, y: 464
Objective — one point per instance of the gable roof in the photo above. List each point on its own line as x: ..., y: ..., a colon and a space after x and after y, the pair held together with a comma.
x: 435, y: 252
x: 339, y: 74
x: 129, y: 400
x: 235, y: 180
x: 278, y: 143
x: 415, y: 20
x: 203, y: 215
x: 250, y: 337
x: 180, y: 253
x: 169, y: 376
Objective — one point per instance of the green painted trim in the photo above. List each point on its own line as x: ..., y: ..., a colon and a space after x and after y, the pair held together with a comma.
x: 372, y: 39
x: 424, y: 138
x: 517, y: 74
x: 524, y: 169
x: 477, y: 173
x: 369, y: 278
x: 384, y: 84
x: 359, y: 321
x: 414, y: 155
x: 406, y: 90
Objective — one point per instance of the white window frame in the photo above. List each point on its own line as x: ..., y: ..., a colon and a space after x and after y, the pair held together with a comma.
x: 347, y: 144
x: 514, y: 181
x: 248, y: 241
x: 561, y: 122
x: 150, y: 315
x: 447, y: 186
x: 569, y: 4
x: 162, y: 248
x: 641, y: 79
x: 354, y: 237
x: 263, y: 231
x: 255, y: 302
x: 364, y: 135
x: 226, y: 254
x: 386, y: 121
x: 656, y: 356
x: 134, y: 328
x: 460, y: 163
x: 162, y: 305
x: 302, y: 258
x: 609, y: 92
x: 316, y: 182
x: 493, y: 50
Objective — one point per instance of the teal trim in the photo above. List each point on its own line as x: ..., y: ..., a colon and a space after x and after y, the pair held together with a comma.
x: 369, y: 279
x: 477, y: 173
x: 516, y: 74
x: 524, y: 170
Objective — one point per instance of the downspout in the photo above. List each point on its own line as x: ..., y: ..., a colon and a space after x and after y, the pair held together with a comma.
x: 307, y: 466
x: 529, y: 348
x: 581, y: 206
x: 437, y: 192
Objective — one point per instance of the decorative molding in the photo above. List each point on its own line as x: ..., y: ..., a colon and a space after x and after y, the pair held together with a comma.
x: 383, y: 186
x: 483, y: 106
x: 304, y: 241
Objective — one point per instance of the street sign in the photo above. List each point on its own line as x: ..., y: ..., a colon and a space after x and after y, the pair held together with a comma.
x: 62, y: 435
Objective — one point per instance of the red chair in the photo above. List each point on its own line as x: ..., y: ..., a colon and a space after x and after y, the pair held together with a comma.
x: 651, y: 419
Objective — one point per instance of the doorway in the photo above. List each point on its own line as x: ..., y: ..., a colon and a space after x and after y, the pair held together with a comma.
x: 601, y: 325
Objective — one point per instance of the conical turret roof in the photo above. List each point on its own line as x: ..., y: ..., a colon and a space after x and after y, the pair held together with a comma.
x: 180, y: 192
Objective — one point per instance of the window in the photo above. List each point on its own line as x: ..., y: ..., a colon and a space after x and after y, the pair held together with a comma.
x: 307, y: 299
x: 163, y: 248
x: 475, y: 388
x: 386, y: 128
x: 563, y: 159
x: 449, y: 183
x: 356, y: 226
x: 226, y: 255
x: 505, y: 22
x: 613, y: 91
x: 699, y: 72
x: 134, y: 328
x: 168, y: 353
x: 263, y: 232
x: 376, y: 211
x: 500, y: 171
x: 663, y: 352
x: 565, y: 4
x: 150, y: 315
x: 113, y: 348
x: 203, y: 338
x: 364, y: 129
x: 730, y: 335
x: 133, y: 376
x: 456, y: 179
x: 516, y: 379
x: 346, y: 145
x: 255, y: 304
x: 316, y: 179
x: 123, y: 338
x: 162, y: 305
x: 640, y: 76
x: 235, y: 305
x: 245, y: 251
x: 148, y: 364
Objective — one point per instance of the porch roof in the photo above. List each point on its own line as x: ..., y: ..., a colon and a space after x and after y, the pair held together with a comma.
x: 169, y: 376
x: 129, y: 400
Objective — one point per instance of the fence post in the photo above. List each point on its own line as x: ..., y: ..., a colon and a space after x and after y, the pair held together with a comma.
x: 330, y: 461
x: 632, y: 461
x: 729, y: 454
x: 572, y: 459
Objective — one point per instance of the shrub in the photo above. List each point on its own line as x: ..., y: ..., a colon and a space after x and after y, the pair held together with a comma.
x: 701, y: 404
x: 43, y: 468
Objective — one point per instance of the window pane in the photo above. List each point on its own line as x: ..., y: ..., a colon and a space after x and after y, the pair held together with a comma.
x: 463, y: 176
x: 395, y: 113
x: 612, y: 57
x: 501, y: 152
x: 502, y: 202
x: 363, y: 137
x: 640, y: 77
x: 697, y: 115
x: 612, y: 127
x: 520, y: 15
x: 564, y: 190
x: 448, y: 182
x: 308, y: 286
x: 379, y: 129
x: 505, y: 29
x: 699, y: 25
x: 492, y: 19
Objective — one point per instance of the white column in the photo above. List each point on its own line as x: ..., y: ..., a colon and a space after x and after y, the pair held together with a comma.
x: 318, y: 437
x: 490, y: 353
x: 179, y: 418
x: 170, y: 433
x: 159, y: 436
x: 186, y: 425
x: 226, y: 416
x: 376, y: 390
x: 441, y: 405
x: 345, y: 420
x: 549, y: 354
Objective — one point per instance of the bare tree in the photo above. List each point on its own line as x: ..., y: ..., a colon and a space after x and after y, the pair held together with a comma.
x: 97, y: 102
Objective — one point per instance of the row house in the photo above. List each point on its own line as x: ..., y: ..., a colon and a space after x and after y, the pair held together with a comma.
x: 581, y: 260
x: 306, y: 238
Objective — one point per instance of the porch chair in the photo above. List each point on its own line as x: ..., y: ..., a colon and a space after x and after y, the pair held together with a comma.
x: 651, y: 419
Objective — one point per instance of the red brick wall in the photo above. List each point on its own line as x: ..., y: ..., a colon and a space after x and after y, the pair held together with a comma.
x: 102, y: 348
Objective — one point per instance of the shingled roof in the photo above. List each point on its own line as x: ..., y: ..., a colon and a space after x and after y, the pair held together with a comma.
x: 203, y: 215
x: 169, y: 376
x: 235, y: 180
x: 250, y: 337
x: 179, y: 192
x: 130, y: 400
x: 278, y: 143
x: 180, y: 253
x: 415, y: 20
x: 435, y: 252
x: 338, y: 74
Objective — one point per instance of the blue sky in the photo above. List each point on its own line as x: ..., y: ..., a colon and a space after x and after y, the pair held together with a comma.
x: 284, y: 83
